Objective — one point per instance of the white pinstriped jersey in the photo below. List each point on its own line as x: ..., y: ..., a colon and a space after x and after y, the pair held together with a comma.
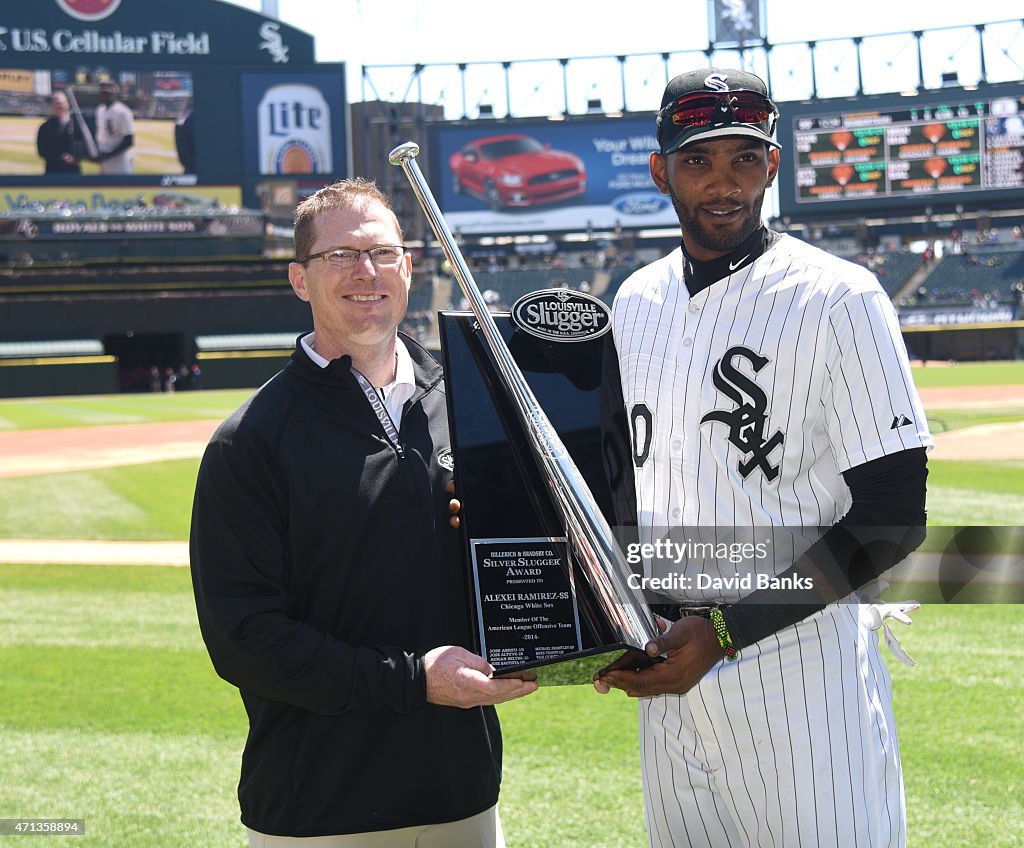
x: 749, y: 400
x: 792, y: 746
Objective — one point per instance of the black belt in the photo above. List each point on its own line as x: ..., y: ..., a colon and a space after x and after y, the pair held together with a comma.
x: 674, y: 612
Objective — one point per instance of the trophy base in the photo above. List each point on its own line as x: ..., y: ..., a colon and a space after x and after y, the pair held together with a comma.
x: 577, y: 668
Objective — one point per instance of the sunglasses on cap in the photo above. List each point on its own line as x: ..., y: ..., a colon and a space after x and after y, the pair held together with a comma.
x: 710, y: 108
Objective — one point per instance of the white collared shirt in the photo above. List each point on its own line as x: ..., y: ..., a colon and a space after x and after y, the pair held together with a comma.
x: 395, y: 393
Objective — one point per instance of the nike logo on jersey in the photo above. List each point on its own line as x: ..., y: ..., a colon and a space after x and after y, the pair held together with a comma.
x: 748, y: 421
x: 899, y: 421
x: 734, y: 265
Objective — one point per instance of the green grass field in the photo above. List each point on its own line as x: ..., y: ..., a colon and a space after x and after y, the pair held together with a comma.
x: 33, y: 413
x: 93, y: 410
x: 944, y: 420
x: 110, y: 710
x: 970, y: 374
x: 153, y: 501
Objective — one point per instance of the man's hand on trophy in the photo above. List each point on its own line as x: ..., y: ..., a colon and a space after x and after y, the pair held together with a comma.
x: 458, y: 678
x: 454, y: 506
x: 632, y: 661
x: 689, y: 647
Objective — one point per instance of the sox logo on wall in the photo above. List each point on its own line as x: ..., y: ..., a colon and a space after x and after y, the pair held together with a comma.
x: 89, y: 10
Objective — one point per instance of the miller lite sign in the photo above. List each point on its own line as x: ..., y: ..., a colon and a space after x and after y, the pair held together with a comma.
x: 294, y: 130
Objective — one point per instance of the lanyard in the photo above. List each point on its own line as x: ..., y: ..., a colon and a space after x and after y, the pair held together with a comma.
x: 377, y: 405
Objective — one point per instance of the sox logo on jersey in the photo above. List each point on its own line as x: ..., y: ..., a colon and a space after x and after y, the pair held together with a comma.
x: 747, y: 422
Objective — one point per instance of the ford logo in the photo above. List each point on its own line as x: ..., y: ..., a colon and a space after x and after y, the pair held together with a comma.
x: 641, y: 203
x: 561, y: 315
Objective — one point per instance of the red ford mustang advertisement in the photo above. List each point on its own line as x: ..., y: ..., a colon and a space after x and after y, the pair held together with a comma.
x: 516, y: 170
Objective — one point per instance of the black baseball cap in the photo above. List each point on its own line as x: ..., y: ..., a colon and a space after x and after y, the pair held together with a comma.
x: 695, y: 107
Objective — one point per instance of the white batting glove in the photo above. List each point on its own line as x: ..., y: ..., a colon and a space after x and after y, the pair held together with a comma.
x: 877, y: 615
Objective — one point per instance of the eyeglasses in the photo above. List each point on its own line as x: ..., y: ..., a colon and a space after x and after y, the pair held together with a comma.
x: 704, y: 109
x: 382, y: 256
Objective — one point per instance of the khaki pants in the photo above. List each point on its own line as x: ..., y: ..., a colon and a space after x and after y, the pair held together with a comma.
x: 480, y: 831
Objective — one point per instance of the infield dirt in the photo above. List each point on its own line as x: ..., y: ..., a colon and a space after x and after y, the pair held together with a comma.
x: 27, y: 452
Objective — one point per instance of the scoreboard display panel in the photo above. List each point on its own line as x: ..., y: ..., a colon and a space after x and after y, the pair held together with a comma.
x: 215, y: 104
x: 936, y: 149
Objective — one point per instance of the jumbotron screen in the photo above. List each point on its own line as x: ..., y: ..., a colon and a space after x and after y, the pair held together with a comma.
x: 935, y: 149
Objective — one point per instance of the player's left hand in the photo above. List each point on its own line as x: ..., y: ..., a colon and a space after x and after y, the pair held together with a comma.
x: 454, y: 506
x: 690, y: 647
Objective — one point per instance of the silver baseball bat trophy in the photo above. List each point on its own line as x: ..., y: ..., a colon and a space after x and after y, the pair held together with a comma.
x: 587, y: 531
x: 90, y: 142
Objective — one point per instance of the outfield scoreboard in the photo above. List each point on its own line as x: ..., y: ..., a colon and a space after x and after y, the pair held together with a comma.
x: 966, y: 148
x: 893, y: 152
x: 227, y: 106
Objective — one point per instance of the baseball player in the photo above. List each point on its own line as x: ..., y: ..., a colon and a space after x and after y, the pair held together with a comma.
x: 771, y: 404
x: 115, y: 131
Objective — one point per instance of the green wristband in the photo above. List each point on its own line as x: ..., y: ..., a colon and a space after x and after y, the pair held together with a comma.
x: 722, y: 632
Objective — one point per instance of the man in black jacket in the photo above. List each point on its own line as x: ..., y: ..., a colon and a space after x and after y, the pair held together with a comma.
x: 56, y: 138
x: 327, y: 580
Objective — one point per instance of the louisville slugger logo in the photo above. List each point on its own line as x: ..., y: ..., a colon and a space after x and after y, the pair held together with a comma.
x: 561, y: 315
x: 748, y: 421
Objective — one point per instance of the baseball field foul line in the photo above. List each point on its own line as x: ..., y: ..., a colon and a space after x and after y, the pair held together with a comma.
x: 92, y: 552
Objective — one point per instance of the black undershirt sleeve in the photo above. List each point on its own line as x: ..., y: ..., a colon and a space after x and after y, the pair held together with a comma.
x: 886, y: 521
x: 126, y: 142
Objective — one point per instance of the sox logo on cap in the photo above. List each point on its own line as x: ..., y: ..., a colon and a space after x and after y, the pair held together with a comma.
x: 716, y: 82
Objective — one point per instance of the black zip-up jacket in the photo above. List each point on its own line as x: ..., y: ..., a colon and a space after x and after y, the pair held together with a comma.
x: 324, y: 569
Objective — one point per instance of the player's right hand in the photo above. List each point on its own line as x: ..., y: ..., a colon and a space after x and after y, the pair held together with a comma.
x: 459, y: 678
x: 690, y: 647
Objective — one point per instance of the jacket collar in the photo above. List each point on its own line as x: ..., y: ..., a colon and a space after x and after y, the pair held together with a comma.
x: 338, y: 374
